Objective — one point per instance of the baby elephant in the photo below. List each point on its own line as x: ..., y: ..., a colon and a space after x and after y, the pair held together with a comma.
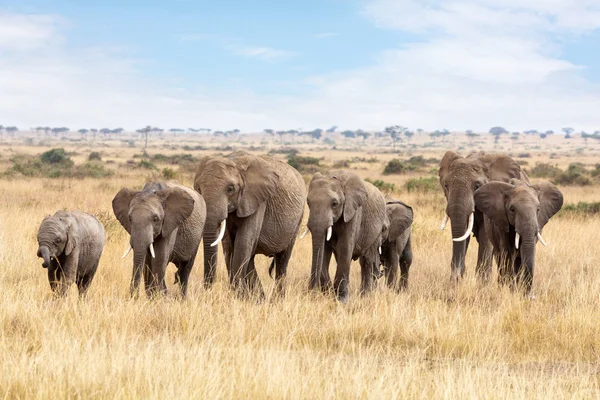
x: 71, y: 244
x: 396, y: 248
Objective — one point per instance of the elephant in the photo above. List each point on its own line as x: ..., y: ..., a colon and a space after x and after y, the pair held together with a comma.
x: 515, y: 214
x: 71, y: 243
x: 460, y: 177
x: 347, y: 218
x: 255, y: 205
x: 396, y: 248
x: 166, y: 222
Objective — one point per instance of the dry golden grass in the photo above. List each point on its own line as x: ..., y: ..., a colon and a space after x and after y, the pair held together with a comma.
x: 487, y: 343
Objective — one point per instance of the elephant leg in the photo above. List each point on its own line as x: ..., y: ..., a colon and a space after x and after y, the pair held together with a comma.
x: 253, y: 281
x: 228, y: 243
x: 391, y: 261
x: 366, y: 274
x: 244, y: 247
x: 504, y: 272
x: 517, y: 279
x: 484, y: 256
x: 147, y: 272
x: 53, y: 278
x: 405, y: 263
x: 136, y: 277
x: 281, y: 263
x: 68, y: 272
x: 184, y: 268
x: 84, y: 282
x: 341, y: 283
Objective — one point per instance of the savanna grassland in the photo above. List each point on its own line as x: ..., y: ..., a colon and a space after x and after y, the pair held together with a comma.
x: 478, y: 341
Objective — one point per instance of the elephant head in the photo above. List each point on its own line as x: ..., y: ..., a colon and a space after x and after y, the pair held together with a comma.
x: 154, y: 212
x: 238, y: 184
x: 331, y: 199
x: 400, y: 216
x: 520, y: 210
x: 460, y: 177
x: 55, y: 239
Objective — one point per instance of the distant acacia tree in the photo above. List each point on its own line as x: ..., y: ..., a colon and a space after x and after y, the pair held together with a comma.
x: 332, y: 129
x: 145, y: 132
x: 83, y: 132
x: 11, y: 130
x: 471, y: 135
x: 567, y: 131
x: 497, y: 131
x: 395, y: 132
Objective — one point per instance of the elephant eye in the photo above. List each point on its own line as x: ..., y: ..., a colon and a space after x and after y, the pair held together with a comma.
x: 230, y: 189
x: 477, y: 185
x: 57, y: 240
x: 334, y: 203
x: 512, y: 208
x: 155, y: 218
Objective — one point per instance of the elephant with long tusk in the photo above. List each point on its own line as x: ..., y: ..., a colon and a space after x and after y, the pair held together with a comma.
x: 165, y: 221
x: 254, y: 206
x: 460, y: 177
x: 516, y: 213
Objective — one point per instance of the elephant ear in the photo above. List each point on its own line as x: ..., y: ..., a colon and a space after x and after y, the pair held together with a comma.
x: 260, y: 184
x: 120, y: 206
x: 490, y: 199
x: 178, y: 206
x: 355, y: 193
x: 551, y: 200
x: 503, y: 168
x: 71, y: 234
x: 447, y: 160
x: 400, y: 216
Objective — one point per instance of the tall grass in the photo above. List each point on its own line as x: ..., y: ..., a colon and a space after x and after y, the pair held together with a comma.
x: 478, y: 341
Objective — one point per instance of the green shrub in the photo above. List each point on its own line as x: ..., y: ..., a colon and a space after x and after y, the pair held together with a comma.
x: 574, y: 175
x: 94, y: 156
x: 340, y: 164
x: 304, y: 164
x: 396, y: 166
x: 382, y: 185
x: 145, y: 164
x: 92, y: 170
x: 422, y: 185
x: 168, y: 173
x: 581, y: 208
x: 544, y: 170
x: 56, y: 156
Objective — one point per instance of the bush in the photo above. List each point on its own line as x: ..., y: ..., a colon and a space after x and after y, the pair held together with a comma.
x: 304, y: 164
x: 396, y: 166
x: 422, y: 185
x: 145, y: 164
x: 381, y: 185
x: 581, y: 208
x: 56, y: 156
x: 543, y: 170
x: 94, y: 156
x: 168, y: 173
x: 574, y: 175
x: 92, y: 170
x: 341, y: 164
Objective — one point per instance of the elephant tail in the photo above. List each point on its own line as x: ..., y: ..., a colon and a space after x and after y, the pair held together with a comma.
x: 271, y: 268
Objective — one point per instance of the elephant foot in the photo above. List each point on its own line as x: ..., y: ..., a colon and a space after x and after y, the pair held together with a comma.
x: 343, y: 298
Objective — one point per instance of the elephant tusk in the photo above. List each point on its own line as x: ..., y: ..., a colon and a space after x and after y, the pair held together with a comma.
x: 126, y: 251
x: 444, y: 222
x: 221, y: 234
x: 379, y: 250
x: 304, y: 233
x: 517, y: 237
x: 541, y: 239
x: 329, y: 230
x: 469, y: 229
x: 152, y: 250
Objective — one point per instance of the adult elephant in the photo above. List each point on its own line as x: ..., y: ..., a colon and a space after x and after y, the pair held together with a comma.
x: 460, y: 177
x: 255, y: 206
x: 347, y: 217
x: 515, y: 214
x: 165, y: 221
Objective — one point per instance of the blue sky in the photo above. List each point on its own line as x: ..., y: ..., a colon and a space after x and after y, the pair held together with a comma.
x: 456, y: 64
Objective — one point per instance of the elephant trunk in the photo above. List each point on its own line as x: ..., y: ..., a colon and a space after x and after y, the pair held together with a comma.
x: 528, y: 236
x: 44, y: 253
x: 320, y: 226
x: 461, y: 220
x: 214, y: 229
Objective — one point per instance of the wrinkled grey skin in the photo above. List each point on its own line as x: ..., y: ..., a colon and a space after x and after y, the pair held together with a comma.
x: 459, y: 178
x: 396, y: 247
x: 169, y: 216
x: 356, y: 212
x: 517, y: 207
x: 71, y: 244
x: 261, y: 200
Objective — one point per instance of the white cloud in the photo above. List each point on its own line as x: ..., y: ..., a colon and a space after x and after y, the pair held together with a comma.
x: 477, y: 63
x: 263, y: 53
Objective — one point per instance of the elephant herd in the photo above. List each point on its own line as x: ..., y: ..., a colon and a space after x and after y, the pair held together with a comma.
x: 255, y: 205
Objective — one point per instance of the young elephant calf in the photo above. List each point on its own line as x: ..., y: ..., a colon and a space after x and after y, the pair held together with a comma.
x: 71, y: 244
x: 396, y: 248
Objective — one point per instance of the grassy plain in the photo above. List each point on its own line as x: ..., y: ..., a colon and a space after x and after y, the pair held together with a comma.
x: 486, y: 343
